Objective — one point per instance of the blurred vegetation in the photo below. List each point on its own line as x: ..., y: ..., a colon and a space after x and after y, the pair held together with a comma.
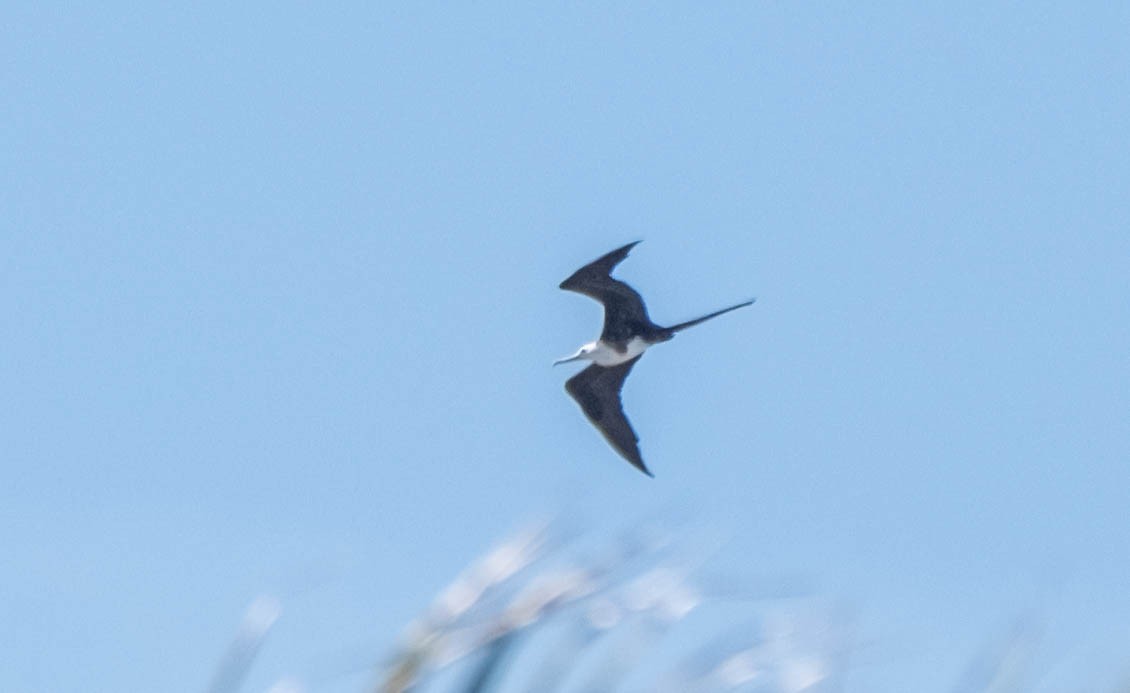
x: 544, y: 611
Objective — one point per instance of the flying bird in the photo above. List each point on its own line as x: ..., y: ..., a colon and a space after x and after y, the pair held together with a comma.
x: 627, y: 333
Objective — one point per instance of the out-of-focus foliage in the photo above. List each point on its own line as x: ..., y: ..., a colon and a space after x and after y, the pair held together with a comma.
x: 541, y: 613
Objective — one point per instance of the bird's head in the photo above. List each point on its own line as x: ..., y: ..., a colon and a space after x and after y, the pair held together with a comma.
x: 584, y: 353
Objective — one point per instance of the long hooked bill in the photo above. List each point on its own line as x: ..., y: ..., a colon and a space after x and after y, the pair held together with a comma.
x: 575, y: 357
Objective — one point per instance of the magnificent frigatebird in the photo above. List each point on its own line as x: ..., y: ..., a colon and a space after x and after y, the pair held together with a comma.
x: 627, y: 333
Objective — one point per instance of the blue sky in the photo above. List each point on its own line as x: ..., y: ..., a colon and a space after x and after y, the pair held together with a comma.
x: 279, y: 294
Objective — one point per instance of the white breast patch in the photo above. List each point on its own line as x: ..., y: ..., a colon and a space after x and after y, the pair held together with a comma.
x: 605, y: 355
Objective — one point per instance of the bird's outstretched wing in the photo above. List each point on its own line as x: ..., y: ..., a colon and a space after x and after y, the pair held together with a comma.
x: 597, y: 390
x: 624, y: 310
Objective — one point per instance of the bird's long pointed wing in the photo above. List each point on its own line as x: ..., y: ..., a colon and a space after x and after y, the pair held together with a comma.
x: 597, y: 390
x: 624, y: 310
x: 590, y: 279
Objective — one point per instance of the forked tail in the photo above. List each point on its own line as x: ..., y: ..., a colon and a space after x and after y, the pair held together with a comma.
x: 691, y: 323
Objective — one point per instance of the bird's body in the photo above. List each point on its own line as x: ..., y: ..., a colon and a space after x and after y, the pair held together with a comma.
x: 627, y: 334
x: 605, y: 354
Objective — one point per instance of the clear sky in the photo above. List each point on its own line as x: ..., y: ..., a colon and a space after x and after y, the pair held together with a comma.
x: 278, y: 285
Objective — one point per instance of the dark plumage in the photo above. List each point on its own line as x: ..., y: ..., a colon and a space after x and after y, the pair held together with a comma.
x: 627, y: 333
x: 597, y: 390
